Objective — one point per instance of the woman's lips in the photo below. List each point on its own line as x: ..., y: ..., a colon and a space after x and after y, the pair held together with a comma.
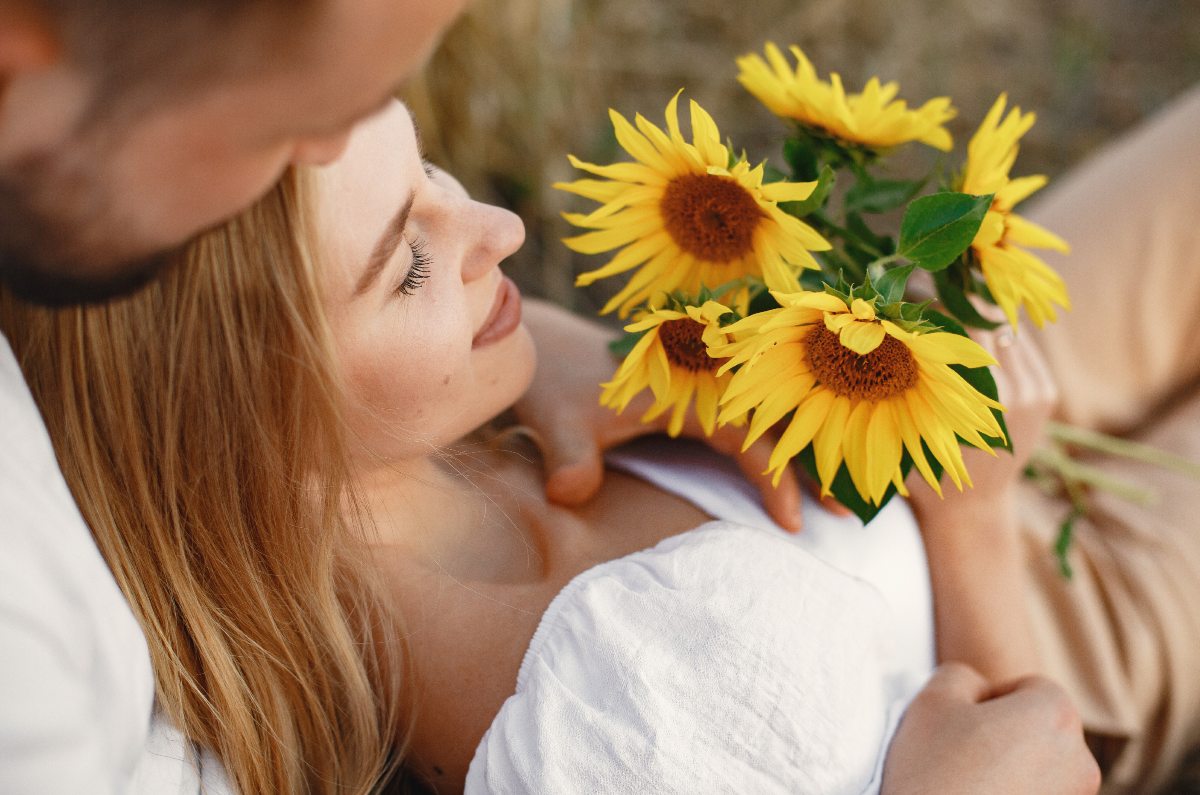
x: 504, y: 316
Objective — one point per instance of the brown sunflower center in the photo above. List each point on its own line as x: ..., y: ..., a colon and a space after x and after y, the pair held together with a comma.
x: 683, y: 340
x: 886, y: 371
x: 710, y: 216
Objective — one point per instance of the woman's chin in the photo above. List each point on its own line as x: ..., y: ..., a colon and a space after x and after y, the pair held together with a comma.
x: 501, y: 380
x: 522, y: 363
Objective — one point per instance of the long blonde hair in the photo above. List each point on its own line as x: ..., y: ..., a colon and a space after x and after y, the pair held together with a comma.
x: 197, y: 425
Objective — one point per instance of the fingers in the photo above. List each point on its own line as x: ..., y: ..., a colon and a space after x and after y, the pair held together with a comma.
x: 1043, y: 703
x: 1042, y: 694
x: 783, y: 502
x: 957, y: 682
x: 829, y: 503
x: 1043, y: 389
x: 574, y: 464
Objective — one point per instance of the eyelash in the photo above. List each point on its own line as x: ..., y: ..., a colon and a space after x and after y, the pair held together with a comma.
x: 419, y: 271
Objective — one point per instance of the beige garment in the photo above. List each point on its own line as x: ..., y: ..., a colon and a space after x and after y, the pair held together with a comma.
x: 1124, y: 634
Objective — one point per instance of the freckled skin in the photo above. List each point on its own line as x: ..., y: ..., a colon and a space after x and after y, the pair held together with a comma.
x: 415, y: 379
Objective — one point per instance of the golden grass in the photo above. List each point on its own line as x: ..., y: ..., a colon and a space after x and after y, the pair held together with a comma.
x: 519, y: 83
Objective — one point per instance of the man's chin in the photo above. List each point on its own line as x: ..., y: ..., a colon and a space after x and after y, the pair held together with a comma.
x: 56, y: 290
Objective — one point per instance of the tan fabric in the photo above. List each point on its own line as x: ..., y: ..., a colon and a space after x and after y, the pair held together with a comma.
x: 1124, y: 635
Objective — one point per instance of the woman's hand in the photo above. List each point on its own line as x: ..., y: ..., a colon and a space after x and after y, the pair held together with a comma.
x: 962, y: 737
x: 1029, y: 395
x: 563, y: 406
x: 972, y: 539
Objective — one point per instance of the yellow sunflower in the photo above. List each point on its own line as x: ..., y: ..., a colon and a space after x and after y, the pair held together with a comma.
x: 672, y: 360
x: 684, y: 217
x: 862, y: 388
x: 874, y: 118
x: 1014, y: 276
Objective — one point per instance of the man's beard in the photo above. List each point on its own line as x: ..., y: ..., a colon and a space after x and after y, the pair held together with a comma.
x: 45, y: 256
x: 33, y: 283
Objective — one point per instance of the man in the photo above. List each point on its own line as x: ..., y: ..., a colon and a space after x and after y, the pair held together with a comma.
x: 126, y: 126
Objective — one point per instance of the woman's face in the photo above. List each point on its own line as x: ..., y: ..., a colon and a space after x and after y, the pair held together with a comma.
x: 427, y: 328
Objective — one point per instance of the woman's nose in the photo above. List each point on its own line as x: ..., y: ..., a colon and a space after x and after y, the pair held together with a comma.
x: 498, y: 234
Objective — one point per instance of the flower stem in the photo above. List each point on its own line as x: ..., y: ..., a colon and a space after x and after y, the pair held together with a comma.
x: 1123, y: 448
x: 823, y: 224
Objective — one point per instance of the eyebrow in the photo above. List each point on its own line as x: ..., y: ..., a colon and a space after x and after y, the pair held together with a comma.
x: 386, y: 246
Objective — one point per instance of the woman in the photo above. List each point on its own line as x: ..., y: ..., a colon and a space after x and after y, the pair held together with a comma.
x: 222, y: 416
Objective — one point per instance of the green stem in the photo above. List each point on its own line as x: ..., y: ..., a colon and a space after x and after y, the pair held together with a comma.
x: 875, y: 268
x: 823, y: 224
x: 1122, y: 448
x: 1075, y: 474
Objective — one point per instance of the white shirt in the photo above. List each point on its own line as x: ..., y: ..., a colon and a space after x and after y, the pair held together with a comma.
x: 888, y: 553
x: 76, y: 684
x: 732, y: 658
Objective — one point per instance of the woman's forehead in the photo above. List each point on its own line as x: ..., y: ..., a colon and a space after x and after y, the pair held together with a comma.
x: 362, y: 191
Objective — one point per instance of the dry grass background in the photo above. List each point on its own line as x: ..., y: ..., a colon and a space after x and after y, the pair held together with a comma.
x: 519, y: 83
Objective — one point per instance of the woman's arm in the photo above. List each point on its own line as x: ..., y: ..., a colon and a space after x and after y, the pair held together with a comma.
x: 972, y: 539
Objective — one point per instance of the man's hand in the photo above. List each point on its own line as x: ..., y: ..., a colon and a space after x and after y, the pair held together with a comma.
x: 961, y: 736
x: 563, y: 406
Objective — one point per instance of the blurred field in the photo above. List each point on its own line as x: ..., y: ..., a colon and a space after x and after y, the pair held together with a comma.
x: 519, y: 83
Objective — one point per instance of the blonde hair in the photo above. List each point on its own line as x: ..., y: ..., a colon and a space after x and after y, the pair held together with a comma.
x: 197, y: 425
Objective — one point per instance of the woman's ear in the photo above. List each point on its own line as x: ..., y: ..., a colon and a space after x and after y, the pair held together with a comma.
x: 29, y: 41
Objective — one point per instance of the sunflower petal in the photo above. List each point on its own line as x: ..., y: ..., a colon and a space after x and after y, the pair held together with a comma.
x: 862, y: 338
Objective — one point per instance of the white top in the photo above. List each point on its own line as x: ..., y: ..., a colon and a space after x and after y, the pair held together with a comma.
x: 727, y: 659
x: 76, y: 686
x: 888, y: 553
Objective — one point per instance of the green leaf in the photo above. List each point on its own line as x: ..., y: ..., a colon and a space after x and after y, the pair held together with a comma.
x: 937, y: 229
x: 881, y: 196
x: 812, y: 280
x: 840, y: 289
x: 762, y: 302
x: 801, y: 156
x: 622, y: 345
x: 1062, y: 545
x: 816, y: 200
x: 954, y: 299
x: 892, y: 283
x: 843, y: 487
x: 772, y: 174
x: 913, y: 313
x: 835, y: 263
x: 863, y: 237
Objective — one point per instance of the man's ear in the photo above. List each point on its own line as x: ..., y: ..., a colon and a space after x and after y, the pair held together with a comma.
x: 29, y: 41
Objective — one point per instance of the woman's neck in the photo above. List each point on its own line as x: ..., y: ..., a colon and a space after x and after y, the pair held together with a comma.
x: 469, y: 513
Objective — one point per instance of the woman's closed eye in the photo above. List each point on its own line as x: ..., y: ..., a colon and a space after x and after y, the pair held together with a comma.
x: 419, y: 271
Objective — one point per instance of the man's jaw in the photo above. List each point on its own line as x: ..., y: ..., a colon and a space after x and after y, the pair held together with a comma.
x: 51, y: 287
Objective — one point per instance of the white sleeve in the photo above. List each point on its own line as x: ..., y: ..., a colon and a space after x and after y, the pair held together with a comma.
x: 50, y: 737
x: 76, y: 687
x: 724, y: 660
x: 49, y: 740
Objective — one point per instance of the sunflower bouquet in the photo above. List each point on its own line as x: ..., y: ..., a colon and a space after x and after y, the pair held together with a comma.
x: 771, y: 298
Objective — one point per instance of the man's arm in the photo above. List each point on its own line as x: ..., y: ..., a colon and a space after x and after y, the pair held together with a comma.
x: 76, y: 685
x: 49, y: 740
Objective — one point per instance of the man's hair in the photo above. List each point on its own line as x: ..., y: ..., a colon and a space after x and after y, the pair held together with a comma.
x: 148, y: 50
